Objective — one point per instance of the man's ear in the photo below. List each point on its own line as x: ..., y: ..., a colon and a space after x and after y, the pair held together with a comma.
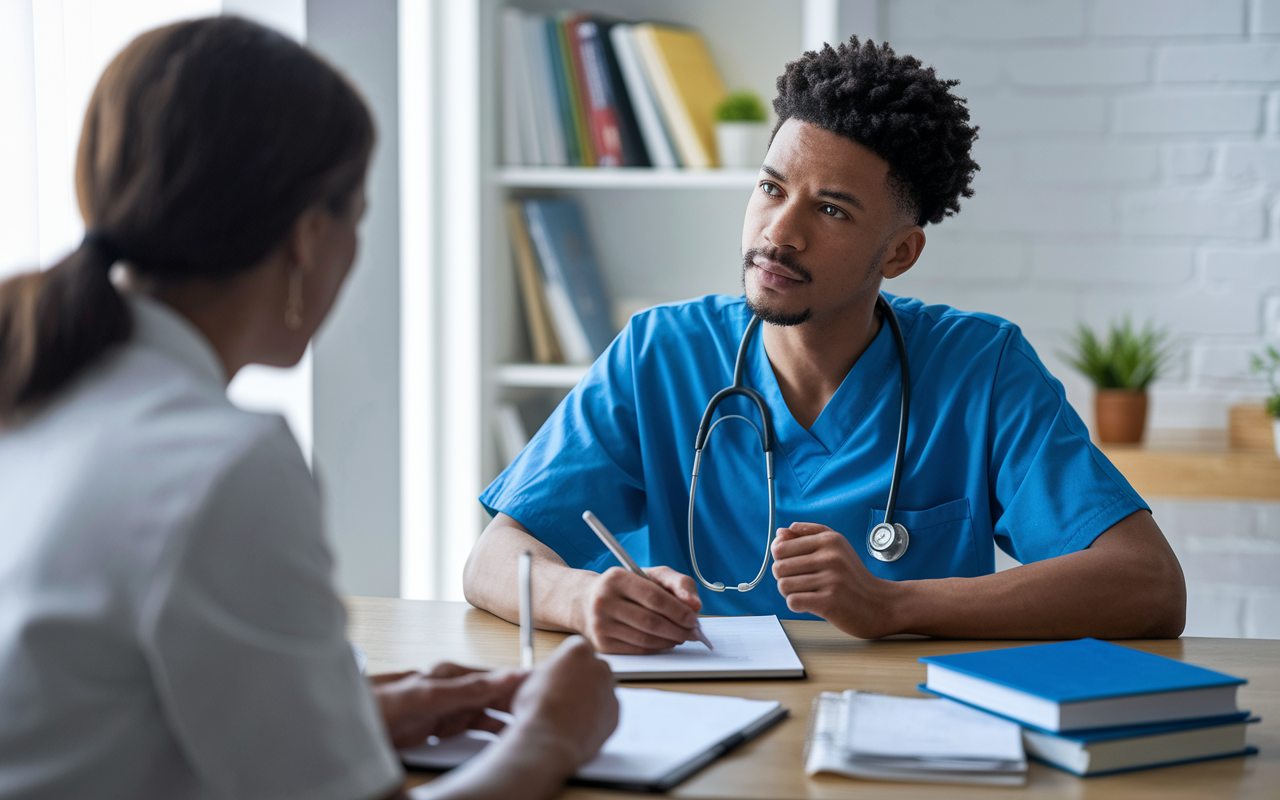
x: 904, y: 250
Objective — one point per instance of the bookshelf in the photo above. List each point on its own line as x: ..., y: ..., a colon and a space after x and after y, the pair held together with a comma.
x: 659, y: 234
x: 623, y: 178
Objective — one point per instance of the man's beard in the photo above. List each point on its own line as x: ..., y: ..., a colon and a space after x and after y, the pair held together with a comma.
x: 774, y: 316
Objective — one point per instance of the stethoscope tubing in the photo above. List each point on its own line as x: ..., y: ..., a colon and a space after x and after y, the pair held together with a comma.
x: 765, y: 432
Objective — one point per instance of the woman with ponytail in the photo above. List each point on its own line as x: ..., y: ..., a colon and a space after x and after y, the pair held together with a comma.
x: 168, y: 622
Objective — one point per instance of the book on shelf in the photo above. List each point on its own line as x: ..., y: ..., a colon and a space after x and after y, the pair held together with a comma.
x: 596, y: 92
x: 544, y: 96
x: 579, y: 306
x: 634, y: 152
x: 687, y: 86
x: 573, y: 83
x: 1081, y: 685
x: 542, y: 335
x: 649, y: 121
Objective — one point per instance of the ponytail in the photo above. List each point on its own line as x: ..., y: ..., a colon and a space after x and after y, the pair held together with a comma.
x: 203, y: 143
x: 55, y: 323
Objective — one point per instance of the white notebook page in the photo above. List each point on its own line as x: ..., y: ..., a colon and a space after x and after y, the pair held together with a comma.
x: 742, y: 644
x: 657, y: 733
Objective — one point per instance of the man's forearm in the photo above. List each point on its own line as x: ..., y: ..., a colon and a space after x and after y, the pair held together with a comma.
x: 1128, y: 584
x: 490, y: 578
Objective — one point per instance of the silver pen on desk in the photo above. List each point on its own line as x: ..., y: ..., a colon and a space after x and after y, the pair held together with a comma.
x: 615, y: 547
x: 526, y: 611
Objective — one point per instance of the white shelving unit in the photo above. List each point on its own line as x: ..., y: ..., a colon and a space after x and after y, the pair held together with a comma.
x: 660, y: 235
x: 623, y: 178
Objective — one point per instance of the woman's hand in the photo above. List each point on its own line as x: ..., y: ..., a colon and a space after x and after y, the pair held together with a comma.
x: 446, y: 701
x: 567, y: 706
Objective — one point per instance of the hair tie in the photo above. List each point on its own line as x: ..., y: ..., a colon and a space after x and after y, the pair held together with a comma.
x: 106, y: 248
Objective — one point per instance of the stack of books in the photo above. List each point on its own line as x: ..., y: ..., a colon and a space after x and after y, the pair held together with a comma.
x: 567, y: 309
x: 1093, y: 708
x: 582, y: 91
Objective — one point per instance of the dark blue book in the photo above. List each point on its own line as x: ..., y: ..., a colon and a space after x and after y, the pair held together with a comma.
x: 1111, y: 750
x: 1081, y: 685
x: 580, y: 307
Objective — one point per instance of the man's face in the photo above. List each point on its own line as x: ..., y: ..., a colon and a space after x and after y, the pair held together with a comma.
x: 819, y: 228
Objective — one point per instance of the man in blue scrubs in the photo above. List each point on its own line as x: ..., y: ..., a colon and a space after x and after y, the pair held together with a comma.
x: 870, y: 147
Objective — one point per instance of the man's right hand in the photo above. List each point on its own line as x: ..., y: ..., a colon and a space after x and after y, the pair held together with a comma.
x: 620, y: 612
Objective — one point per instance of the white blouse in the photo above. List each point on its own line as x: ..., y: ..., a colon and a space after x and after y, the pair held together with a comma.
x: 168, y: 622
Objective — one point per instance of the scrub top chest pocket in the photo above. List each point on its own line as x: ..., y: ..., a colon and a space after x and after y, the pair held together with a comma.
x: 942, y: 543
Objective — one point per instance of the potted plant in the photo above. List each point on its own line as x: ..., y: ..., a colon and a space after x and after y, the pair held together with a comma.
x: 742, y: 130
x: 1269, y: 364
x: 1121, y: 367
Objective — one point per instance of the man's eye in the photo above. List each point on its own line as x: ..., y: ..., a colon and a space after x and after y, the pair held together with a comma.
x: 832, y: 211
x: 769, y: 188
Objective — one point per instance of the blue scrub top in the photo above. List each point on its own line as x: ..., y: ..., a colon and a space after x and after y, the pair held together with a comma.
x: 995, y: 454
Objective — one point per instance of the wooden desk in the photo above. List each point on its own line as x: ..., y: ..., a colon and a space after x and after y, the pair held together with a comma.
x: 1196, y: 464
x: 401, y: 634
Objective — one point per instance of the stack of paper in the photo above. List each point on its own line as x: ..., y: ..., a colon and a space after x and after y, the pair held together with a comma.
x: 898, y: 738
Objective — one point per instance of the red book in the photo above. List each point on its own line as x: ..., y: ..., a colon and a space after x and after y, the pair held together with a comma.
x: 599, y: 107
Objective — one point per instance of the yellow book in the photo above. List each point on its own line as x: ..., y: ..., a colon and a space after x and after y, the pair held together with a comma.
x: 546, y: 347
x: 687, y: 85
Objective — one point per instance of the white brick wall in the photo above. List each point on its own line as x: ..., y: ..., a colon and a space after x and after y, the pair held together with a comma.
x: 1130, y: 154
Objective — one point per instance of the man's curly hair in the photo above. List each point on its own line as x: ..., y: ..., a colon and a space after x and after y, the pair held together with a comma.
x: 897, y: 109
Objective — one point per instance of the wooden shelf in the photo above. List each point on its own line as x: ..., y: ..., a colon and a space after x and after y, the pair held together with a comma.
x: 1196, y: 464
x: 540, y: 376
x: 624, y: 178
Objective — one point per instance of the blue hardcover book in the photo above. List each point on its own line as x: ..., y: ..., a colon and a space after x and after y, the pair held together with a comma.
x: 580, y: 308
x: 1107, y: 751
x: 1084, y: 684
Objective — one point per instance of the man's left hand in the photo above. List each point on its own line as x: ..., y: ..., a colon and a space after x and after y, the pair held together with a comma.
x: 819, y: 573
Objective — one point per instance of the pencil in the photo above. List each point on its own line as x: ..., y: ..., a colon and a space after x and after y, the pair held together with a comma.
x: 623, y: 556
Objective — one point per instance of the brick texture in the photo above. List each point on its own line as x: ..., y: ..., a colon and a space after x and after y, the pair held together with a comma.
x: 1131, y: 167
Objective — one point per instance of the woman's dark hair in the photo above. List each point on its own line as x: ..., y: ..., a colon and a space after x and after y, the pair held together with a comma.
x: 895, y: 108
x: 203, y: 144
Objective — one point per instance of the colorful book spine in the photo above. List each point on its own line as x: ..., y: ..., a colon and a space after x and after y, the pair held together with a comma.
x: 648, y: 119
x: 564, y: 92
x: 602, y: 112
x: 574, y: 86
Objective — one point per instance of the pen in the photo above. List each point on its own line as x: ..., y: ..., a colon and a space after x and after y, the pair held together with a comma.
x: 623, y: 556
x: 526, y: 611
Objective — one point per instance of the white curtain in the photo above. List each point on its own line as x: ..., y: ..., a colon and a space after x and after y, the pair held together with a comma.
x: 51, y: 54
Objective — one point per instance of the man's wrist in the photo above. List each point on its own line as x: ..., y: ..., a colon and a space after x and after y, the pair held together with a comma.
x: 575, y: 586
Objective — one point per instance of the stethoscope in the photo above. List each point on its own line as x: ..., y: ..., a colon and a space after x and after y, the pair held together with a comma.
x: 886, y: 541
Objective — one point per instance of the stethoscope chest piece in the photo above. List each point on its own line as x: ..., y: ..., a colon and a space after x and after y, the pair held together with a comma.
x: 888, y: 541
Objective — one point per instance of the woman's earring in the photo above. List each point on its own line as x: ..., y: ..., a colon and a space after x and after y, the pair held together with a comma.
x: 293, y: 308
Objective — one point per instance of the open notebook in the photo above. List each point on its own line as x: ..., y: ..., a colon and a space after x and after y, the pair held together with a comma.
x: 662, y: 738
x: 745, y: 647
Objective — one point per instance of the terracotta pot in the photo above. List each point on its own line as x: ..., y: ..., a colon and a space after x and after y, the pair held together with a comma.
x: 1121, y: 415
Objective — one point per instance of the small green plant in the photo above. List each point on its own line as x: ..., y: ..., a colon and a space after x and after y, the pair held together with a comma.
x: 741, y: 106
x: 1269, y: 364
x: 1128, y: 359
